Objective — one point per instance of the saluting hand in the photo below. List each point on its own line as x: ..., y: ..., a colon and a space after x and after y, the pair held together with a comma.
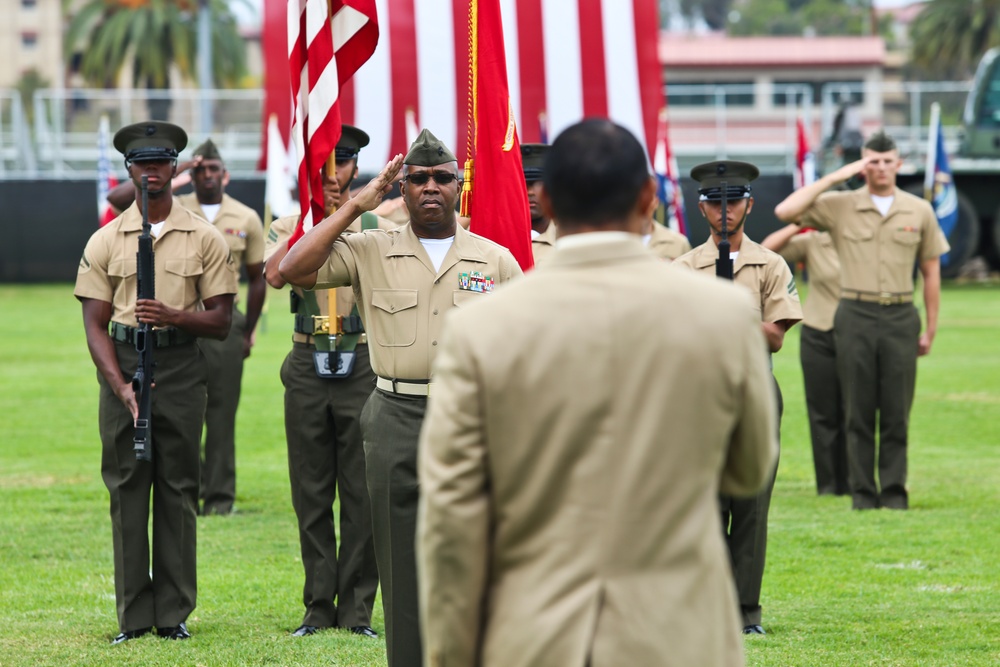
x: 371, y: 195
x: 849, y: 170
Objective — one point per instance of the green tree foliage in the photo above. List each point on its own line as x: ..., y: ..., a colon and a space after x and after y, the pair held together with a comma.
x: 151, y: 35
x: 797, y: 17
x: 713, y: 11
x: 952, y: 35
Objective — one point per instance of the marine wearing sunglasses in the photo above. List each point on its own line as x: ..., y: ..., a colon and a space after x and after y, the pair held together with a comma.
x: 440, y: 177
x: 431, y: 194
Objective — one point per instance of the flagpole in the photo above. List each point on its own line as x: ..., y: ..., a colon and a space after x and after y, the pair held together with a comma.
x: 932, y: 142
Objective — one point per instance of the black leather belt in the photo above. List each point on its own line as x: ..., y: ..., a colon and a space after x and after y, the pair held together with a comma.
x: 167, y: 337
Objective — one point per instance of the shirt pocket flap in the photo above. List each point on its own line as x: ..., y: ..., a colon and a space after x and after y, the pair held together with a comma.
x: 394, y: 300
x: 907, y: 237
x: 122, y: 268
x: 183, y: 267
x: 857, y: 234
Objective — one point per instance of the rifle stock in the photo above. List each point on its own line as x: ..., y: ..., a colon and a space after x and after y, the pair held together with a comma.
x: 724, y: 264
x: 142, y: 380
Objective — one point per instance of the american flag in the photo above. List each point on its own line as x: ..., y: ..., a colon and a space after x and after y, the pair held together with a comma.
x: 328, y: 40
x: 565, y: 60
x: 805, y: 163
x: 668, y: 189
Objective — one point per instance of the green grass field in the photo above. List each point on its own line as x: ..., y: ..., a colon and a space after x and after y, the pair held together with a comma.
x: 914, y: 589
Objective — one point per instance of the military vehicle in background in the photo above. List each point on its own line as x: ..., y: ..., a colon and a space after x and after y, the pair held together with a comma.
x: 976, y: 173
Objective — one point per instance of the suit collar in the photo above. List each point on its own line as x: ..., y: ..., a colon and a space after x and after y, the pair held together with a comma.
x: 603, y: 249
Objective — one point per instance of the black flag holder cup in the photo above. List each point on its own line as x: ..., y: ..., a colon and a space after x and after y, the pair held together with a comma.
x: 724, y: 264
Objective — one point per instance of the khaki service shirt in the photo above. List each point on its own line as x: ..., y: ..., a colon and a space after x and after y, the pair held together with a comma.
x: 402, y: 299
x: 761, y: 271
x: 282, y: 229
x: 877, y: 254
x: 543, y: 244
x: 667, y: 244
x: 191, y: 258
x: 820, y: 256
x: 240, y: 226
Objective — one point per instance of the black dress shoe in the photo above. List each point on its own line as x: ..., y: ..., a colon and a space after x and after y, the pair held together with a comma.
x: 305, y: 631
x: 364, y: 631
x: 131, y: 634
x: 174, y: 632
x: 753, y: 630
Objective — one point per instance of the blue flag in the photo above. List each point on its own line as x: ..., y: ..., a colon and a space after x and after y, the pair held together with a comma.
x: 944, y: 196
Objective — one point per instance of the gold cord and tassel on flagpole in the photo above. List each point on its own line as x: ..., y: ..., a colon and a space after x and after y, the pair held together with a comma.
x: 469, y: 170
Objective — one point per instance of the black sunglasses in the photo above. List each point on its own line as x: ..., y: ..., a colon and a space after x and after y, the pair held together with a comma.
x: 440, y: 177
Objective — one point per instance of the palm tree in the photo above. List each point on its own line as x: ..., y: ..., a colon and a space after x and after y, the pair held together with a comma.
x: 152, y: 35
x: 954, y: 34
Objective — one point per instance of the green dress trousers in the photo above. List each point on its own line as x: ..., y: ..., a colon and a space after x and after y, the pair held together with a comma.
x: 165, y: 597
x: 391, y: 427
x: 224, y: 359
x: 877, y: 365
x: 325, y: 460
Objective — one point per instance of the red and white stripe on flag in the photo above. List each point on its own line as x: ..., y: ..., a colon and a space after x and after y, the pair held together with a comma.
x: 566, y: 60
x: 328, y: 40
x: 805, y: 163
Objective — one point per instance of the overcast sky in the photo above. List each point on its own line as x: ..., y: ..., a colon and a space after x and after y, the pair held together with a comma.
x: 248, y: 12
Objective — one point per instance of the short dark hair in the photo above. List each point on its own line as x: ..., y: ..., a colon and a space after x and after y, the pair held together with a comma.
x: 594, y: 173
x: 880, y: 142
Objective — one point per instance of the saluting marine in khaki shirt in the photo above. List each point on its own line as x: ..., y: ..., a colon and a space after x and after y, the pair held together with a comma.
x: 402, y: 299
x: 282, y: 229
x: 878, y: 254
x: 192, y: 263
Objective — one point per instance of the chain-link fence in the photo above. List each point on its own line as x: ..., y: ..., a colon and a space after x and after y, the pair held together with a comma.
x: 54, y: 135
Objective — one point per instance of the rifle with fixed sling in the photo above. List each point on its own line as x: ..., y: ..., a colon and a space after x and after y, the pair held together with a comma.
x: 724, y: 264
x: 142, y: 380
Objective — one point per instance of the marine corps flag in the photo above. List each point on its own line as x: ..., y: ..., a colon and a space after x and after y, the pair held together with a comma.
x: 494, y: 194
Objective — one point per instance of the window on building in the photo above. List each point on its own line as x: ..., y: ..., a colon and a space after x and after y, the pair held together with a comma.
x: 783, y: 90
x: 728, y: 93
x: 29, y: 4
x: 29, y: 39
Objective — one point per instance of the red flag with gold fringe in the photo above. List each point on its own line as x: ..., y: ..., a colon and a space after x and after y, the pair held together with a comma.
x: 494, y: 194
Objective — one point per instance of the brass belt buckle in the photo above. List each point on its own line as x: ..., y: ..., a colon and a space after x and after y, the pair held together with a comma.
x: 321, y: 324
x: 885, y: 299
